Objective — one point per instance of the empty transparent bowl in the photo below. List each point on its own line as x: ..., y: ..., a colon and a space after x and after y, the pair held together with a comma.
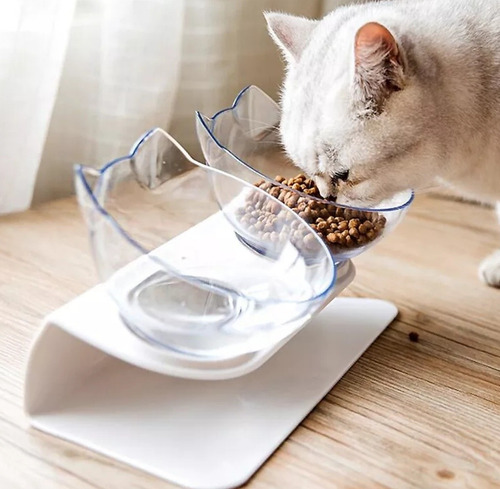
x: 197, y: 260
x: 243, y: 140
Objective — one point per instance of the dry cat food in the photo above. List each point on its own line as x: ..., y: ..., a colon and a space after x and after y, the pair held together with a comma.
x: 414, y: 337
x: 339, y: 227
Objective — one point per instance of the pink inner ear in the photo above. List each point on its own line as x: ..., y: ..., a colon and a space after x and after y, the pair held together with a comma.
x: 373, y: 37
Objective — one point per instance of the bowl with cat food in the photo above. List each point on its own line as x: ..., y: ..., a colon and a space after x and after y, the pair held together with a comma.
x: 243, y: 140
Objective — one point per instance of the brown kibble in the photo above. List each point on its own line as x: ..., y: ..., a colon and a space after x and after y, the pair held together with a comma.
x: 309, y: 241
x: 414, y: 337
x: 342, y: 225
x: 275, y: 191
x: 354, y: 232
x: 292, y: 200
x: 338, y: 226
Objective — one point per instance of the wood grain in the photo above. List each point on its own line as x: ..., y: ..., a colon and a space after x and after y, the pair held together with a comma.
x: 408, y: 415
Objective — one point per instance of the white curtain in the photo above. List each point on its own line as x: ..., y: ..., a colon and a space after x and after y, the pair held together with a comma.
x: 82, y: 79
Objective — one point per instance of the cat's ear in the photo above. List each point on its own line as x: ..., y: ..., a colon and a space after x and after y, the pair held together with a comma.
x: 379, y: 64
x: 290, y: 33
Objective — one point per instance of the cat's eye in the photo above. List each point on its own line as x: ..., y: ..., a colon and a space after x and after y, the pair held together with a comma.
x: 341, y: 175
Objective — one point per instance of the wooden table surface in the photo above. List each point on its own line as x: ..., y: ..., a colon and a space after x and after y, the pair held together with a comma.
x: 420, y: 415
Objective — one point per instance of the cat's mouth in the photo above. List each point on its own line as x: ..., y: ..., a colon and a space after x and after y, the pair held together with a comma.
x: 337, y: 186
x: 360, y: 193
x: 342, y: 181
x: 352, y: 191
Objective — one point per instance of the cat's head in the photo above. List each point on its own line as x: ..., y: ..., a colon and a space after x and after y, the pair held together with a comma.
x: 351, y: 107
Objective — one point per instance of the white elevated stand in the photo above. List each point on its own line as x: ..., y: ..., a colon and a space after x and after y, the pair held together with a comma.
x: 204, y: 425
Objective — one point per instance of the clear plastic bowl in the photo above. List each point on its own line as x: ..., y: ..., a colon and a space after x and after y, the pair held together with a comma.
x: 243, y: 140
x: 175, y: 242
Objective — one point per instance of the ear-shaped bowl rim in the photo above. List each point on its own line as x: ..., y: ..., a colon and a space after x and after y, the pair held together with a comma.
x: 259, y: 176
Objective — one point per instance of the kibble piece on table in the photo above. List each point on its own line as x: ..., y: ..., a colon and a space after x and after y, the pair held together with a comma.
x: 340, y: 228
x: 414, y: 337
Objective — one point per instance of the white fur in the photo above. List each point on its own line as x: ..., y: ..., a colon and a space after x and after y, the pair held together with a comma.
x: 443, y: 126
x: 489, y: 270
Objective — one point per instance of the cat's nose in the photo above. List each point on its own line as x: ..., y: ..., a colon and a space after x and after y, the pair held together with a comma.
x: 342, y: 175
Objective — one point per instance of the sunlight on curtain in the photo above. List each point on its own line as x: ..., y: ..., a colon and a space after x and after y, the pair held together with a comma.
x: 82, y: 79
x: 120, y: 78
x: 33, y: 40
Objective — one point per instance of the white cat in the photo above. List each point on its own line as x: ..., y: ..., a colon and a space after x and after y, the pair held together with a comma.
x: 392, y: 95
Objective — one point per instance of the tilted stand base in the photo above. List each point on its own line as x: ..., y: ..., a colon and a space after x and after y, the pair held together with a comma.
x: 91, y: 381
